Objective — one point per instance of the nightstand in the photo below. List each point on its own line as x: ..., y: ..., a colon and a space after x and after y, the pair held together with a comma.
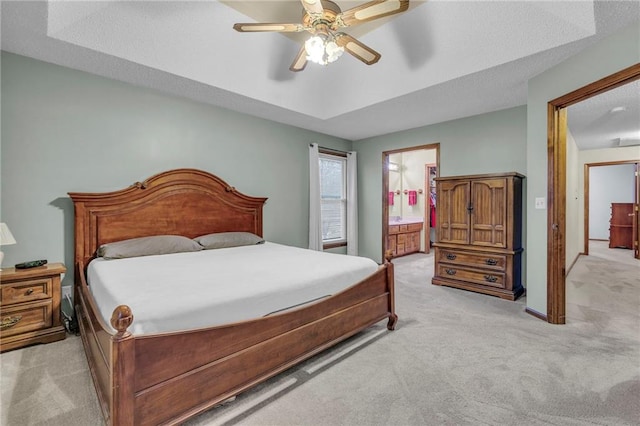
x: 30, y: 306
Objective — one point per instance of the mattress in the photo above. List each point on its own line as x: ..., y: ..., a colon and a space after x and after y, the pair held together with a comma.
x: 184, y: 291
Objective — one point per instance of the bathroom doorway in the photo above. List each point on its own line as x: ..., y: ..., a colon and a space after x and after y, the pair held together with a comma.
x: 408, y: 197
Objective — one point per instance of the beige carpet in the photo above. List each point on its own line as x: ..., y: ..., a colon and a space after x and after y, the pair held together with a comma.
x: 456, y: 358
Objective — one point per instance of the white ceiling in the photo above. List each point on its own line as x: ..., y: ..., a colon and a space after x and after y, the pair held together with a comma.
x: 441, y: 60
x: 604, y: 120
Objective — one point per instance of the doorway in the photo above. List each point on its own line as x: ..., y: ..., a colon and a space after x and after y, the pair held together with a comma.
x: 406, y: 198
x: 556, y: 192
x: 626, y: 193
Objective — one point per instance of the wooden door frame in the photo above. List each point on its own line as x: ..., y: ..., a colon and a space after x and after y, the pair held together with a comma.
x: 587, y: 169
x: 385, y: 185
x: 556, y: 184
x: 636, y: 222
x: 427, y: 205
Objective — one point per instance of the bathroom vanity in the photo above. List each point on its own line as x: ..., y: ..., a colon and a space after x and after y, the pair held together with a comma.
x: 404, y: 236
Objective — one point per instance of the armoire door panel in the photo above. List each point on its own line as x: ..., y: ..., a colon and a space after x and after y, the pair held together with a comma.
x: 453, y: 220
x: 489, y: 213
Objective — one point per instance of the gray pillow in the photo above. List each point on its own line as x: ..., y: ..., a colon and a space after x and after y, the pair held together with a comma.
x: 228, y: 239
x: 147, y: 246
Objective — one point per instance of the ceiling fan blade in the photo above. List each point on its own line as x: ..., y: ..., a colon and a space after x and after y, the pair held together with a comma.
x: 357, y: 49
x: 370, y: 11
x: 313, y: 7
x: 263, y: 27
x: 300, y: 61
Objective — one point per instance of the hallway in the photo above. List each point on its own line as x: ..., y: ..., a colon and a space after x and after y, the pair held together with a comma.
x: 603, y: 291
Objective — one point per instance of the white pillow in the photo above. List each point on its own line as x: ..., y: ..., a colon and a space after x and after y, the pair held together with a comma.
x: 228, y: 239
x: 147, y: 246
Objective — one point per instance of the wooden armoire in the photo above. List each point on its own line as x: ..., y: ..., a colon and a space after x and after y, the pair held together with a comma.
x: 479, y: 234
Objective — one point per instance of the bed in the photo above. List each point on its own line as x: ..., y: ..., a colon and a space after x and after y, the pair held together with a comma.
x: 166, y: 377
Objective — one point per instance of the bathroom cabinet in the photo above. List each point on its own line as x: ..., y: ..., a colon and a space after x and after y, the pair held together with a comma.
x: 404, y: 238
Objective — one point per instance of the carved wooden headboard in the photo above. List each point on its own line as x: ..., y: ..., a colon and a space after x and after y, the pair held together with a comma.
x: 185, y: 202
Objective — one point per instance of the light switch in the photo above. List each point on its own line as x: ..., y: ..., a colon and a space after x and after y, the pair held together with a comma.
x: 541, y: 203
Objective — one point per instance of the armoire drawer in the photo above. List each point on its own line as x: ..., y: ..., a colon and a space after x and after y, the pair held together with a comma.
x: 488, y: 278
x: 483, y: 260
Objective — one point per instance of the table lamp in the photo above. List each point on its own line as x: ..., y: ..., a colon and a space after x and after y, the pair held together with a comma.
x: 6, y: 238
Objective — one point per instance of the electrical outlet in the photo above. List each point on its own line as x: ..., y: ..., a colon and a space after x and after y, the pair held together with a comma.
x: 67, y: 291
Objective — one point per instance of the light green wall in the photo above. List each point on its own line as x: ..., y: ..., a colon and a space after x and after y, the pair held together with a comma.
x: 487, y: 143
x: 65, y: 130
x: 611, y: 55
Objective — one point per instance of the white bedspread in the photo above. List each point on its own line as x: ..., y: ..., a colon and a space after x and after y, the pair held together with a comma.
x: 182, y: 291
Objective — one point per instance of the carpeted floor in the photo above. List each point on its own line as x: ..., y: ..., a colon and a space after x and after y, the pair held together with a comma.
x: 456, y: 358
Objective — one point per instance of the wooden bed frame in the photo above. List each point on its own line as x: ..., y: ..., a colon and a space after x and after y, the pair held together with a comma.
x: 167, y: 378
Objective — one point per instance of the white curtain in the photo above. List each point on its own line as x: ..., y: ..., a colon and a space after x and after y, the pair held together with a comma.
x: 315, y: 220
x: 352, y: 204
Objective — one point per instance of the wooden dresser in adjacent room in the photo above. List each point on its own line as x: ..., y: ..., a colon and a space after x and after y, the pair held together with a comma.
x: 621, y: 226
x: 479, y: 234
x: 30, y: 304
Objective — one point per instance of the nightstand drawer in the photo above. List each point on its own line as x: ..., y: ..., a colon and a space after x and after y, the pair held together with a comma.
x: 24, y: 318
x: 26, y: 291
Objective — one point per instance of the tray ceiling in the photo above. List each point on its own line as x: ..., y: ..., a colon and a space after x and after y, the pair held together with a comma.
x: 441, y: 60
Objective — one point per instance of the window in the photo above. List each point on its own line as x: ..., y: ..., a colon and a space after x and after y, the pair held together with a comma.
x: 333, y: 198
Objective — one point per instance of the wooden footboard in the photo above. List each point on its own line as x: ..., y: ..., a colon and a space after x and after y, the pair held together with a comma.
x: 167, y: 378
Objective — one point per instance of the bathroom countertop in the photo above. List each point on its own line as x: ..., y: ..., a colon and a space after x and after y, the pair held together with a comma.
x: 405, y: 221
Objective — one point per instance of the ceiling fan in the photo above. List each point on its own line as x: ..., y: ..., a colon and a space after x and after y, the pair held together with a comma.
x: 323, y: 19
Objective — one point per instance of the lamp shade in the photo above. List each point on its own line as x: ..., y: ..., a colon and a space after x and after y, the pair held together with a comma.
x: 6, y: 237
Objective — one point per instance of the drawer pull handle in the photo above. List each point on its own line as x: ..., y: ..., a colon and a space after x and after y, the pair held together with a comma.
x: 451, y: 256
x: 491, y: 262
x: 490, y: 278
x: 29, y: 292
x: 450, y: 271
x: 10, y: 322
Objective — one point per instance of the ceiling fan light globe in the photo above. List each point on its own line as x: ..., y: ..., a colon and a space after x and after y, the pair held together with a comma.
x: 322, y: 50
x: 314, y: 44
x: 315, y: 50
x: 333, y: 51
